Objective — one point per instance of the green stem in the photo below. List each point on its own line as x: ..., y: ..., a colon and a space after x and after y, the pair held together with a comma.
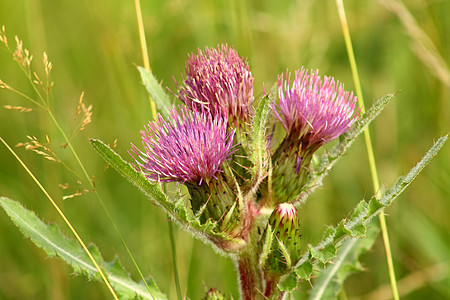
x: 373, y: 168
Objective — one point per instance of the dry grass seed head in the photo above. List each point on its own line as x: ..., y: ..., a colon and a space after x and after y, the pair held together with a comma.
x: 3, y: 38
x: 87, y: 113
x: 18, y: 108
x: 64, y: 186
x: 47, y: 65
x: 72, y: 195
x: 3, y: 85
x: 80, y: 191
x: 21, y: 55
x: 40, y: 149
x: 37, y: 81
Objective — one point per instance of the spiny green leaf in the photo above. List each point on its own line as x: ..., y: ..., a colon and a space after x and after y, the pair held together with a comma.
x: 329, y: 159
x: 162, y: 101
x: 259, y: 142
x: 355, y: 225
x: 175, y: 209
x: 329, y: 283
x: 52, y: 241
x: 305, y: 270
x: 324, y: 254
x: 363, y: 214
x: 373, y: 206
x: 289, y: 284
x: 341, y: 231
x: 152, y: 190
x: 267, y: 244
x: 403, y: 182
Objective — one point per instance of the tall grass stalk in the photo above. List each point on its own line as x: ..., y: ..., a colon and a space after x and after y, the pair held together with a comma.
x: 144, y: 49
x: 373, y: 168
x: 113, y: 293
x: 45, y: 105
x: 146, y: 60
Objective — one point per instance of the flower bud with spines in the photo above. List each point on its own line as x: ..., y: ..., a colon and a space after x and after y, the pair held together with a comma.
x: 284, y: 248
x: 214, y: 294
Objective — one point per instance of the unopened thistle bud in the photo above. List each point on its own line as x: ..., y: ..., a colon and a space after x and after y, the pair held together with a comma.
x: 220, y: 81
x: 214, y: 294
x: 284, y: 248
x: 313, y: 112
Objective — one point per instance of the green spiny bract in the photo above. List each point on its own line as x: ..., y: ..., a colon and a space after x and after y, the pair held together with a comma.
x: 283, y: 248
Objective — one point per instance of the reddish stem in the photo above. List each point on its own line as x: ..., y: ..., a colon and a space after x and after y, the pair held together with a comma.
x: 250, y: 278
x: 271, y: 283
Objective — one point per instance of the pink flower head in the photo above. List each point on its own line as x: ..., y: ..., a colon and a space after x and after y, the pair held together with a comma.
x: 190, y: 147
x: 314, y: 110
x: 220, y: 81
x: 284, y: 216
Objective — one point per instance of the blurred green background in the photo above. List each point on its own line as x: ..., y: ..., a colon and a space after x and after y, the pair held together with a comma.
x: 94, y: 47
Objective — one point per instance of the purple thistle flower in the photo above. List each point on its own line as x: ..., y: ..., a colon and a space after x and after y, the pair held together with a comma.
x: 190, y: 147
x: 315, y: 111
x: 220, y: 81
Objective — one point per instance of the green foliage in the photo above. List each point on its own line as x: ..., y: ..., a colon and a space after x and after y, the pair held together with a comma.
x: 176, y: 209
x: 98, y: 56
x: 157, y: 93
x: 54, y: 243
x: 331, y: 280
x: 355, y: 226
x: 259, y: 147
x: 329, y: 159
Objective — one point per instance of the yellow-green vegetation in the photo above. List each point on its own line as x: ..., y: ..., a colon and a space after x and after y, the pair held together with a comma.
x: 94, y: 48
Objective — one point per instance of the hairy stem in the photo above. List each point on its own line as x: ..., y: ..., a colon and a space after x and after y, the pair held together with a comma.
x: 250, y: 276
x: 270, y: 286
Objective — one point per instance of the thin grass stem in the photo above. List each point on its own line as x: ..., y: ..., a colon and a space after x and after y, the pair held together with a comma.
x: 144, y: 49
x: 101, y: 201
x: 146, y: 60
x: 44, y: 107
x: 373, y: 168
x: 84, y: 171
x: 113, y: 293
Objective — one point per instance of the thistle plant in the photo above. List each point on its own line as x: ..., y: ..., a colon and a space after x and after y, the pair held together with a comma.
x: 234, y: 189
x: 242, y: 192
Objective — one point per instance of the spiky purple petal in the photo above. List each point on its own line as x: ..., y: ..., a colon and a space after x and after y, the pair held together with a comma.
x: 315, y: 110
x: 191, y: 147
x: 219, y: 80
